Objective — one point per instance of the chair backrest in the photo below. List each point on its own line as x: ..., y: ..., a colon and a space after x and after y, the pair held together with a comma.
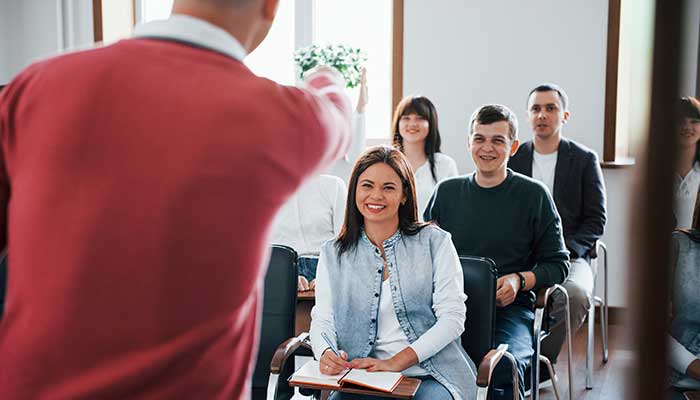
x: 279, y: 311
x: 480, y: 277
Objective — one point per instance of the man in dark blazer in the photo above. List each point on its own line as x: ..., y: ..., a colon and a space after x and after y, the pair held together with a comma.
x: 573, y: 175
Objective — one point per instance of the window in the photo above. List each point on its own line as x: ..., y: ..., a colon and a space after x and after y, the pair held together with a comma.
x: 149, y: 10
x: 635, y: 29
x: 113, y: 20
x: 366, y: 24
x: 273, y: 59
x: 628, y: 81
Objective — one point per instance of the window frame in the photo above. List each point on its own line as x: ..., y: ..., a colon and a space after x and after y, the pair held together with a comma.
x: 303, y: 37
x: 97, y: 26
x: 611, y: 78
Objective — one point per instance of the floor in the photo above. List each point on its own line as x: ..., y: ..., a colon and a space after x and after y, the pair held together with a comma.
x: 608, y: 379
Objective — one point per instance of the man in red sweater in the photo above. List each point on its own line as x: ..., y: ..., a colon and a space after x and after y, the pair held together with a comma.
x: 137, y: 184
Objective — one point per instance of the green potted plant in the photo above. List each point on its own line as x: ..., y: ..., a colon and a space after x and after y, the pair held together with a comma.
x: 347, y: 60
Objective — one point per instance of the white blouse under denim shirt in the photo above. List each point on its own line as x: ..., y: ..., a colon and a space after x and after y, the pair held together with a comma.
x: 426, y: 289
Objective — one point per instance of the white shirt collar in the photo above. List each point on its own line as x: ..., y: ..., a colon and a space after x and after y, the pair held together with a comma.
x: 192, y: 30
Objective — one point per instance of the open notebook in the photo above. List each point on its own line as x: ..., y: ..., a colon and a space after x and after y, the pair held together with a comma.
x: 310, y: 374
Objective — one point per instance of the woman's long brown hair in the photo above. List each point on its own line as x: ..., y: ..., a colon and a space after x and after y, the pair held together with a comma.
x: 408, y: 214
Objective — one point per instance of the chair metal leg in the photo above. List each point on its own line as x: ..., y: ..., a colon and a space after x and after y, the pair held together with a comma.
x: 555, y: 380
x: 590, y: 344
x: 514, y: 367
x: 272, y: 386
x: 604, y: 313
x: 568, y: 342
x: 535, y: 365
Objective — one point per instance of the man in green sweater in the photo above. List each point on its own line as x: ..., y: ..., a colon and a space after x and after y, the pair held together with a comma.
x: 510, y: 218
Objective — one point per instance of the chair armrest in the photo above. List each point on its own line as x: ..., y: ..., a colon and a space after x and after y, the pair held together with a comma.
x: 593, y: 252
x: 285, y: 350
x: 694, y: 395
x: 488, y: 364
x: 542, y: 304
x: 543, y: 296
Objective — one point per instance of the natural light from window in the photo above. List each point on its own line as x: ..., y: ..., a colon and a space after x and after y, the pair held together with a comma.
x: 364, y: 24
x: 155, y: 9
x: 274, y: 58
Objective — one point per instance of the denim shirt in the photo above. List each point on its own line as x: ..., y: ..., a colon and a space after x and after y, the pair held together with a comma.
x: 353, y: 284
x: 685, y: 326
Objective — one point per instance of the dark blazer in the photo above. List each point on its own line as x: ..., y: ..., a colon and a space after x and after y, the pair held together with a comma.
x: 579, y: 192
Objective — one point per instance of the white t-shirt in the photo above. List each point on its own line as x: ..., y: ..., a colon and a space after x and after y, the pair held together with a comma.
x: 686, y: 191
x: 445, y: 167
x: 543, y: 166
x: 313, y: 215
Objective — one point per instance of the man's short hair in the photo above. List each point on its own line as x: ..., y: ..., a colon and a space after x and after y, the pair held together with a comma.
x: 552, y: 87
x: 492, y: 113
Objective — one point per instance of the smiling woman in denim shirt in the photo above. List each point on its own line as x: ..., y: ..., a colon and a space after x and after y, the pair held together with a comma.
x: 684, y: 340
x: 389, y: 290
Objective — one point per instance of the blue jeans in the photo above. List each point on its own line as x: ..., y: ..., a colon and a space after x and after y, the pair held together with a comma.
x: 514, y: 328
x: 429, y: 389
x: 307, y: 267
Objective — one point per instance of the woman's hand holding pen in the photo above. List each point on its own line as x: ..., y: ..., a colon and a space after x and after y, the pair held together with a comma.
x: 331, y: 364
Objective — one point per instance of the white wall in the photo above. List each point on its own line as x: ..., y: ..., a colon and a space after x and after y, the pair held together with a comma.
x: 497, y: 51
x: 32, y: 30
x: 7, y: 27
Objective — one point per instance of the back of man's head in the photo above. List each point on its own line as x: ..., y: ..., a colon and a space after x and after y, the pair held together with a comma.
x: 492, y: 113
x: 248, y: 21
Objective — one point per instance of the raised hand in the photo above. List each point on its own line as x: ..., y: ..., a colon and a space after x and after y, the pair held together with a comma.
x: 363, y: 99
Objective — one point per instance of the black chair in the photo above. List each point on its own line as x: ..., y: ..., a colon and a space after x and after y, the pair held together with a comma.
x: 479, y: 335
x: 279, y: 313
x: 480, y: 276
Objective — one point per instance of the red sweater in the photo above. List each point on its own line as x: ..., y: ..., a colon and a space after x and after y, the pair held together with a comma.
x: 137, y: 184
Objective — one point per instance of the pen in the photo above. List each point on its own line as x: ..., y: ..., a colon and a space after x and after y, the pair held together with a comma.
x: 330, y: 344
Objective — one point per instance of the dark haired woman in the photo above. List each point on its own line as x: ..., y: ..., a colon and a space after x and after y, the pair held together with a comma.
x: 684, y: 341
x: 688, y: 167
x: 416, y: 134
x: 389, y: 290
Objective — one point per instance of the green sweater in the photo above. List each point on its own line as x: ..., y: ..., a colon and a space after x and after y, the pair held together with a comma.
x: 515, y: 224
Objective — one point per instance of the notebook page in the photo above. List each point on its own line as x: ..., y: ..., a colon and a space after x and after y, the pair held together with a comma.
x: 310, y: 373
x: 383, y: 381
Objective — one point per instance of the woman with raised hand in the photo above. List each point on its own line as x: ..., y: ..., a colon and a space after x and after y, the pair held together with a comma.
x: 688, y: 166
x: 415, y: 133
x: 389, y: 289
